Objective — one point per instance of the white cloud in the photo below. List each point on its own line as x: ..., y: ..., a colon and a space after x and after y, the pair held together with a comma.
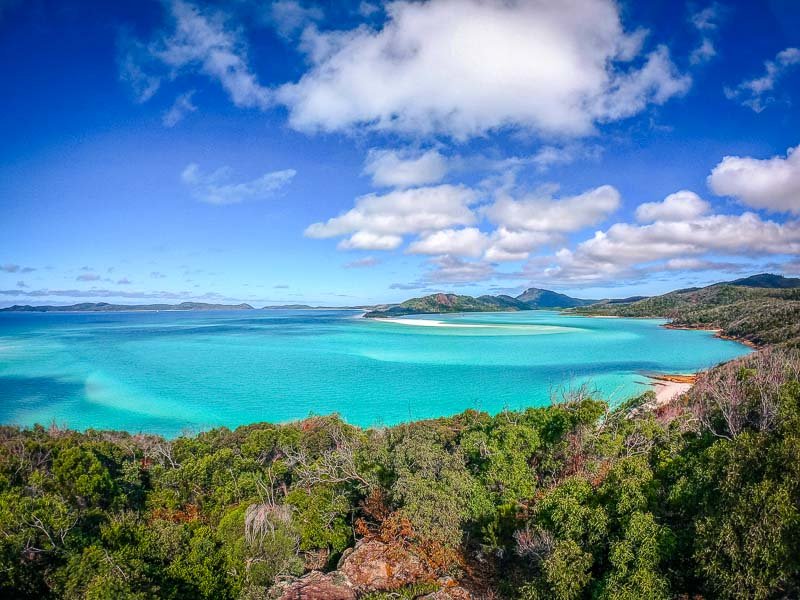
x: 510, y: 245
x: 366, y: 240
x: 216, y: 187
x: 706, y: 21
x: 180, y: 108
x: 453, y: 270
x: 199, y: 41
x: 680, y: 206
x: 755, y: 93
x: 465, y: 67
x: 772, y: 184
x: 401, y: 169
x: 703, y: 53
x: 627, y: 250
x: 469, y: 241
x: 547, y: 156
x: 289, y: 16
x: 131, y: 61
x: 88, y: 277
x: 378, y: 222
x: 543, y: 213
x: 367, y: 9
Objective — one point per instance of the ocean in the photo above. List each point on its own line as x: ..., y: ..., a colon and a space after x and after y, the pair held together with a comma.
x: 179, y: 372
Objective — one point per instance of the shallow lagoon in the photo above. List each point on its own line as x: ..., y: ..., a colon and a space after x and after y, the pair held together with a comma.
x: 168, y: 372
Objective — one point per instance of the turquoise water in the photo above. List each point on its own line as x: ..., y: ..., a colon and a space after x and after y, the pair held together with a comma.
x: 171, y: 372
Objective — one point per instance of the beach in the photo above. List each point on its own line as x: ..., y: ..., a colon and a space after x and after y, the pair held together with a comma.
x: 667, y: 387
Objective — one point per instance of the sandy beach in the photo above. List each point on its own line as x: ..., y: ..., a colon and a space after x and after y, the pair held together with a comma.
x: 667, y: 387
x: 430, y: 323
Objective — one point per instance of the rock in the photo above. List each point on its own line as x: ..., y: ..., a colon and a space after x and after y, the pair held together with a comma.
x: 316, y: 560
x: 318, y: 586
x: 450, y: 593
x: 375, y: 566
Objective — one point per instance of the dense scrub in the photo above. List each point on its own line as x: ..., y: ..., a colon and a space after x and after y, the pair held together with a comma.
x: 699, y: 498
x: 763, y: 316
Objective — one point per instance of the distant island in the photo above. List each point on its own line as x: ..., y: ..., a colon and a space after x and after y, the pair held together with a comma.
x: 530, y: 299
x: 759, y: 310
x: 106, y: 307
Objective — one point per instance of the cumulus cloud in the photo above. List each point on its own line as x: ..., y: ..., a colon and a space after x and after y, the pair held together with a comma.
x: 197, y: 42
x: 772, y: 184
x: 124, y: 281
x: 549, y: 156
x: 366, y: 240
x: 469, y: 241
x: 537, y: 219
x: 465, y: 67
x: 217, y: 188
x: 402, y: 169
x: 378, y: 222
x: 180, y: 108
x: 757, y: 93
x: 680, y: 206
x: 543, y: 213
x: 626, y: 249
x: 88, y: 277
x: 454, y: 270
x: 508, y: 245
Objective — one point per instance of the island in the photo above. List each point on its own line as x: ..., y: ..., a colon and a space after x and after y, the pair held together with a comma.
x: 530, y: 299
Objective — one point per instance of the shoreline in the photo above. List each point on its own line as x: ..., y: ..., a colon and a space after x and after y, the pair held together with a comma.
x: 667, y: 387
x: 719, y: 333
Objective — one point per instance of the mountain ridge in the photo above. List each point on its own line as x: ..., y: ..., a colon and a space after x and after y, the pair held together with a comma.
x: 530, y: 299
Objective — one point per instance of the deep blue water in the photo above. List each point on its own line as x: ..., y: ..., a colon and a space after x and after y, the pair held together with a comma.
x: 170, y: 372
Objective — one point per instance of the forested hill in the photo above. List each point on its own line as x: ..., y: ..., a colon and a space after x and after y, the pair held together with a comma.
x: 532, y: 298
x: 762, y: 309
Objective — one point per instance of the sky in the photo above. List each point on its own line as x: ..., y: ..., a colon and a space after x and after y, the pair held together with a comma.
x: 344, y: 153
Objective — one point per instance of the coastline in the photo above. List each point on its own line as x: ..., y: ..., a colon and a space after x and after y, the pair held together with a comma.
x: 717, y: 333
x: 669, y: 387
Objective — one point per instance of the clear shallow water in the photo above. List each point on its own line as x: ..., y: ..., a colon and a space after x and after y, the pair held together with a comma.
x: 170, y: 372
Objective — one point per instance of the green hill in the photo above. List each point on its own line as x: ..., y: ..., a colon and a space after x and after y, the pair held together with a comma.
x: 530, y: 299
x: 539, y: 298
x: 448, y: 303
x: 741, y: 309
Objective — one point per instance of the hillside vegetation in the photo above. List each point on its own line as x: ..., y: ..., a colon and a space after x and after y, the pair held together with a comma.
x: 530, y: 299
x: 699, y: 499
x: 759, y: 315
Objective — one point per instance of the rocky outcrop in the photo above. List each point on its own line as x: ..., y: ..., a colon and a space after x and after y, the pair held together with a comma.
x: 372, y: 566
x: 375, y: 566
x: 317, y: 586
x: 451, y: 593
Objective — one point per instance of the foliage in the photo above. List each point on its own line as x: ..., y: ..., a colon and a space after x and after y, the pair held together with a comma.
x: 760, y: 315
x: 573, y: 500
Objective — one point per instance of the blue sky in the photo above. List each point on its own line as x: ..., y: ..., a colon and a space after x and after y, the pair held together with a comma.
x: 345, y: 153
